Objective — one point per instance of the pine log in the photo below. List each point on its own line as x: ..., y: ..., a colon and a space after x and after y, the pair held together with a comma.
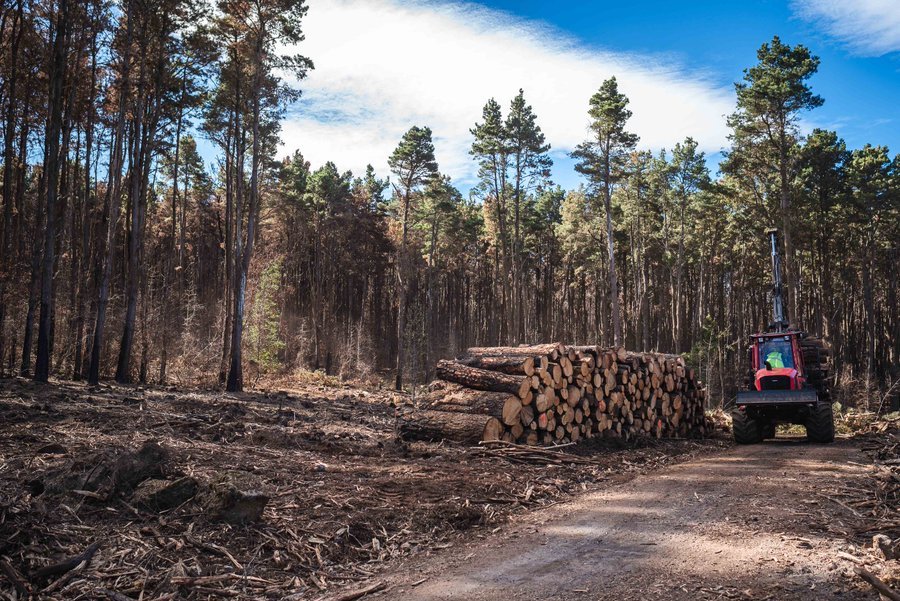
x: 526, y: 416
x: 552, y: 349
x: 465, y: 400
x: 575, y: 392
x: 508, y: 364
x: 435, y: 426
x: 512, y: 409
x: 482, y: 379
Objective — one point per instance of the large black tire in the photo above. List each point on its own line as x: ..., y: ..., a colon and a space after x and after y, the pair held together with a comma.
x: 820, y: 425
x: 746, y: 430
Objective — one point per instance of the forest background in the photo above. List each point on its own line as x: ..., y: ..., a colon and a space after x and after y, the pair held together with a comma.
x: 125, y: 255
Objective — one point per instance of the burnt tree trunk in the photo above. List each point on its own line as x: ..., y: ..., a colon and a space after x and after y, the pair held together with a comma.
x: 57, y: 77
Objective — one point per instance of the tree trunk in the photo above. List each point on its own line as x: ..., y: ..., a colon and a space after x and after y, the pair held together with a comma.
x: 230, y: 138
x: 6, y: 233
x: 113, y: 204
x: 235, y: 375
x: 78, y: 368
x: 613, y: 279
x: 785, y: 194
x: 505, y: 407
x: 51, y: 166
x: 402, y: 291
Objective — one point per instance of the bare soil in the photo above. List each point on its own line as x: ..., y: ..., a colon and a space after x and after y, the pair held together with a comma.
x: 752, y: 522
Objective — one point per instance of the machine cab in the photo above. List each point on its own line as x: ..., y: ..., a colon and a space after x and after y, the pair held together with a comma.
x: 777, y: 361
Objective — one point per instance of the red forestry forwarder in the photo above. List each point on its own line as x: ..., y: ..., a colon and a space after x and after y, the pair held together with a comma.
x: 788, y: 377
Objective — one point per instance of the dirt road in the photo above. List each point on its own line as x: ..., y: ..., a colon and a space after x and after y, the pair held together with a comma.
x: 749, y: 523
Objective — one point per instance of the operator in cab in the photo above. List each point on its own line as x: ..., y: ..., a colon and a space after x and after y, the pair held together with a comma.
x: 777, y: 354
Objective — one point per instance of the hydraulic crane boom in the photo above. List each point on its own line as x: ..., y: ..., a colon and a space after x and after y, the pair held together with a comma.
x: 780, y: 323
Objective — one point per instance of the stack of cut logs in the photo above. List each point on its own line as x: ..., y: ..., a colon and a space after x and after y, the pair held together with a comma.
x: 552, y: 394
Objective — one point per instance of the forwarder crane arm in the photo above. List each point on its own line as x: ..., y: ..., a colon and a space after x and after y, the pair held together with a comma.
x: 780, y: 323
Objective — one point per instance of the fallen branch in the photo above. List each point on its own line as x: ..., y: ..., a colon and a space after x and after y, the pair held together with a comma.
x: 877, y: 584
x: 849, y: 557
x: 65, y: 578
x: 359, y: 593
x: 66, y: 565
x: 842, y: 504
x: 527, y: 453
x: 12, y: 574
x: 113, y: 595
x: 214, y: 549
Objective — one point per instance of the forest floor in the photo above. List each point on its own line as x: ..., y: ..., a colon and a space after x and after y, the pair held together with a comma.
x: 350, y: 508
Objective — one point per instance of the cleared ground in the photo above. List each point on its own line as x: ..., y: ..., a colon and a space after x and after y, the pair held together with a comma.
x: 352, y: 508
x: 753, y: 522
x: 347, y: 498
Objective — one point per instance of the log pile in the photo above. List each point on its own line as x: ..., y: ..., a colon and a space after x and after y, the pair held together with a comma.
x: 553, y: 394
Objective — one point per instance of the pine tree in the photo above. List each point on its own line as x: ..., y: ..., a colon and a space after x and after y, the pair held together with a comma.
x: 414, y: 164
x: 530, y: 164
x: 769, y: 101
x: 602, y: 159
x: 689, y: 177
x: 256, y: 31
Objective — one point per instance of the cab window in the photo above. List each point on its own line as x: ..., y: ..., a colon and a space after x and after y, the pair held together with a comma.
x: 777, y: 352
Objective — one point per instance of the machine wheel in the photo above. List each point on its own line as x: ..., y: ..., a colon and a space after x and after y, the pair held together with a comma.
x: 767, y: 429
x: 820, y: 425
x: 746, y: 430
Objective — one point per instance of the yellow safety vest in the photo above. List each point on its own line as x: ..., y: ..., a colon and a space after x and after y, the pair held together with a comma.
x: 774, y: 359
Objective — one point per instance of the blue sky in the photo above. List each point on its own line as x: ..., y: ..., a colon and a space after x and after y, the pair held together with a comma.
x: 385, y: 65
x: 861, y: 86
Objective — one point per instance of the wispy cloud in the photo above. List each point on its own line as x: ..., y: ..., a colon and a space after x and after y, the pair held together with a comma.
x: 385, y: 65
x: 868, y: 27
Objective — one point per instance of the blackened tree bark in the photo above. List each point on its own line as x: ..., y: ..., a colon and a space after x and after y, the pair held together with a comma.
x: 51, y: 167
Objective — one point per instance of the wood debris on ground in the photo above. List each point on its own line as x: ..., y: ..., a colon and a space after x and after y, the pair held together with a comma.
x: 875, y: 506
x: 123, y: 493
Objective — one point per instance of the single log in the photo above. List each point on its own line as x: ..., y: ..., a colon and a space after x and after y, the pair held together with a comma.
x: 883, y: 589
x: 435, y: 426
x: 512, y: 409
x: 517, y: 365
x: 482, y: 379
x: 552, y: 349
x: 465, y: 400
x: 573, y: 396
x: 586, y: 350
x: 526, y: 416
x: 493, y: 429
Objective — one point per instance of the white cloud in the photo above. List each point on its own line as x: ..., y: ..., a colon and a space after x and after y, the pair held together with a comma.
x: 869, y: 27
x: 383, y: 66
